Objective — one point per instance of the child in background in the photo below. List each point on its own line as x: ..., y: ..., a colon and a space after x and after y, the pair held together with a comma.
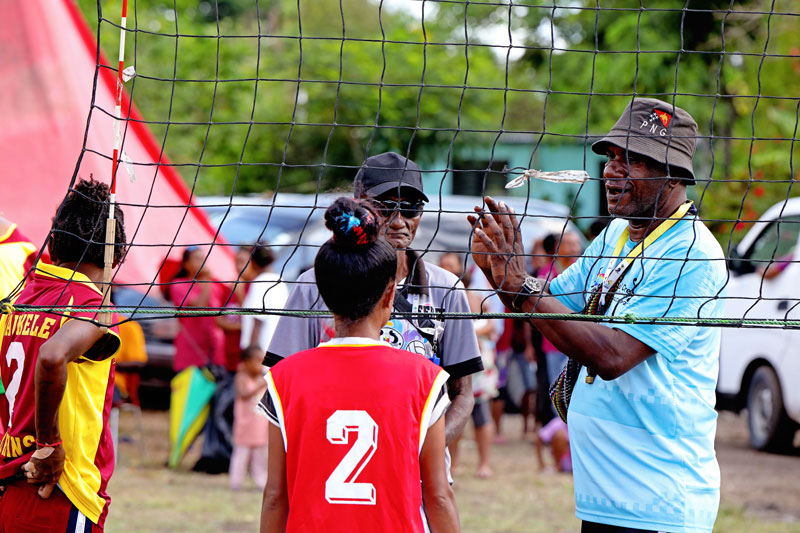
x: 250, y: 429
x: 556, y: 435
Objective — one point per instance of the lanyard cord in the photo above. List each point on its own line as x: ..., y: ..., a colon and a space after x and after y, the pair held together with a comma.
x: 613, y: 273
x: 600, y: 300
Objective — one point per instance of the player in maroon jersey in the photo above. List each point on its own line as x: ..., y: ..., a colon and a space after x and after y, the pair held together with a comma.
x: 357, y: 423
x: 59, y: 369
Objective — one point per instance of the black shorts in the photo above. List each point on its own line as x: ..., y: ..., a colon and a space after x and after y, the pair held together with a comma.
x: 594, y: 527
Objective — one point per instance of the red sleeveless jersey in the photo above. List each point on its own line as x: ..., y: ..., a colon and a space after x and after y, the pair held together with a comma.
x: 85, y: 407
x: 353, y: 418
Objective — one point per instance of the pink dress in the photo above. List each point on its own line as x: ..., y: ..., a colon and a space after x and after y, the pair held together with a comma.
x: 200, y: 341
x: 249, y: 427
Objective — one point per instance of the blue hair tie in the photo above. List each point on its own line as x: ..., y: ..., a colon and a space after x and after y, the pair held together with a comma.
x: 347, y: 221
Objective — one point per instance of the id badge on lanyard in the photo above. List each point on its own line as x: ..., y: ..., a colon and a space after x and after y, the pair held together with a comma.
x: 432, y: 328
x: 616, y: 268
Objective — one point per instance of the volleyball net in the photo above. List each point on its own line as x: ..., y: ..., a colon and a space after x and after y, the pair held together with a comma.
x: 232, y: 122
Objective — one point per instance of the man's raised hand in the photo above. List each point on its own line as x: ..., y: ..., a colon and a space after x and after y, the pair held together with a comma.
x: 497, y: 247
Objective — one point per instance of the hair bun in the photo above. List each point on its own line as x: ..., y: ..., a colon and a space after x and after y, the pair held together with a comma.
x: 352, y: 222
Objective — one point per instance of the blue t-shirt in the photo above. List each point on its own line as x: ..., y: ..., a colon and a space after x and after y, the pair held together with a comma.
x: 643, y: 444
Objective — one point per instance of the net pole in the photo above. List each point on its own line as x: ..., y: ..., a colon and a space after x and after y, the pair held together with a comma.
x: 111, y: 227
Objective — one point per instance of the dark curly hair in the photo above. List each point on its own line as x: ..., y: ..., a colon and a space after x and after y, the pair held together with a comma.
x: 356, y: 265
x: 79, y: 228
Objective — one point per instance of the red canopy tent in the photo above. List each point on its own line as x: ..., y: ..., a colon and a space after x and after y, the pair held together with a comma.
x: 48, y: 64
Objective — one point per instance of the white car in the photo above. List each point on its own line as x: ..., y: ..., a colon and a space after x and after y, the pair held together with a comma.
x: 759, y: 365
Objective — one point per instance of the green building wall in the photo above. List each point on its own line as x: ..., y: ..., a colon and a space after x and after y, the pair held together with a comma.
x: 468, y: 172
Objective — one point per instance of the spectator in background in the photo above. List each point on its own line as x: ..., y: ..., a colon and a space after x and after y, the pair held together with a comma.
x: 17, y: 253
x: 484, y: 383
x: 264, y: 292
x: 250, y: 429
x: 232, y: 324
x: 556, y: 435
x: 130, y: 358
x: 200, y: 341
x: 564, y: 253
x: 515, y: 353
x: 596, y: 227
x: 568, y: 250
x: 542, y: 264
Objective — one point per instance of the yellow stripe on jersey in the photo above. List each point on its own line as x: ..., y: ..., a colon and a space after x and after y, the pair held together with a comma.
x: 276, y: 400
x: 430, y: 404
x: 65, y: 316
x: 65, y: 274
x: 80, y: 421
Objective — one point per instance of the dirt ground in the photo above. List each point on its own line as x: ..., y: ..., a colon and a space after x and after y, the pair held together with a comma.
x: 760, y: 492
x: 766, y: 485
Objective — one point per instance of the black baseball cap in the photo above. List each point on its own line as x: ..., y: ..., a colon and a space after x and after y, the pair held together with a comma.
x: 658, y: 130
x: 385, y: 172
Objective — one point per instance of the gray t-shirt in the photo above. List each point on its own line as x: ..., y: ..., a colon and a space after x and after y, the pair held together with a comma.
x: 430, y: 289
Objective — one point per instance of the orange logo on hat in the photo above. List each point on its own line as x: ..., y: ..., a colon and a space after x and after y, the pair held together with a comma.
x: 663, y: 116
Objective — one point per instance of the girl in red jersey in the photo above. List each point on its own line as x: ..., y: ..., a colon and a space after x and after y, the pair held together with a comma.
x: 357, y: 423
x: 60, y: 374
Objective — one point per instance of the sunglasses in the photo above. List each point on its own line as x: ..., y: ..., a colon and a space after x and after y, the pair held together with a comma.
x: 387, y: 208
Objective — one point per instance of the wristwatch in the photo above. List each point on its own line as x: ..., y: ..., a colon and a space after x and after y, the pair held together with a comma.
x: 530, y: 286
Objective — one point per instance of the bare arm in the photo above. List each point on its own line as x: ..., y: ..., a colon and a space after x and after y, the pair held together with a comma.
x: 68, y: 343
x: 257, y: 325
x: 497, y: 249
x: 437, y: 495
x: 245, y: 389
x: 227, y: 324
x: 461, y: 403
x: 275, y: 505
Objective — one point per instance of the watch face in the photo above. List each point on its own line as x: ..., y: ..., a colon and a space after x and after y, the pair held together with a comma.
x: 532, y: 284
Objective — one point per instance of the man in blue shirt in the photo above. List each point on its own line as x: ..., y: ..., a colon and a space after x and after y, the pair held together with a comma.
x: 642, y: 431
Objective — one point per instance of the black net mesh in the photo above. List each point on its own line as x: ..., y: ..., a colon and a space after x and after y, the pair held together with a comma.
x: 267, y: 109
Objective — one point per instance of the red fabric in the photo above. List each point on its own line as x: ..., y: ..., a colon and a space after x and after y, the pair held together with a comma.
x: 19, y: 443
x: 504, y: 341
x: 28, y: 332
x: 104, y: 460
x: 47, y: 92
x: 22, y: 510
x: 391, y: 386
x: 200, y: 340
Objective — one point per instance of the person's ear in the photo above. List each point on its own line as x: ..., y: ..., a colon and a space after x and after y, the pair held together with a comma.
x: 388, y: 296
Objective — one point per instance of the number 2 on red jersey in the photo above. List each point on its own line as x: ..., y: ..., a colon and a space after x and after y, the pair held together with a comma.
x: 341, y: 486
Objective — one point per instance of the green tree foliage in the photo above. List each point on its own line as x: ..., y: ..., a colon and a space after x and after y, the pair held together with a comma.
x: 237, y: 118
x: 284, y: 94
x: 733, y: 65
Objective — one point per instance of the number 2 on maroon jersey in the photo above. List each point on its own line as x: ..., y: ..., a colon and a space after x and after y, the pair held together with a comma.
x: 341, y: 486
x: 15, y: 352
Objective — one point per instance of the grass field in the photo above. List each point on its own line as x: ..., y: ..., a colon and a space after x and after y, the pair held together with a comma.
x: 146, y: 496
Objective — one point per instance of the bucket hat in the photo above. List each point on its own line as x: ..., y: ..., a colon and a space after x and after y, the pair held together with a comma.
x: 658, y: 130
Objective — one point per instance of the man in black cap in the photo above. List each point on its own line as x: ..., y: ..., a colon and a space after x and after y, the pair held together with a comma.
x: 642, y: 430
x: 393, y: 184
